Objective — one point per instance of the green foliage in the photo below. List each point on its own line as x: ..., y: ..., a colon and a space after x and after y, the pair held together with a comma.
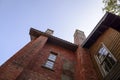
x: 112, y: 6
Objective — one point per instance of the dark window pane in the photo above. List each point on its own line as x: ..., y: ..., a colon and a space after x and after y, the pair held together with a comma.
x: 105, y: 67
x: 107, y: 62
x: 112, y: 61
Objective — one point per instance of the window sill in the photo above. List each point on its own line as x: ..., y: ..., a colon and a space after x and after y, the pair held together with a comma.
x: 43, y: 66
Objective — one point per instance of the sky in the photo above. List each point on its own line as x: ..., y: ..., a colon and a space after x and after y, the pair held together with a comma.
x: 62, y: 16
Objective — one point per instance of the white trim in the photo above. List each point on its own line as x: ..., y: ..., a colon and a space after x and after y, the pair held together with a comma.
x: 100, y: 66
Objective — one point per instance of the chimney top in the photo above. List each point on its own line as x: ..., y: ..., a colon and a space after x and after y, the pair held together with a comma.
x: 49, y: 31
x: 79, y: 37
x: 78, y: 31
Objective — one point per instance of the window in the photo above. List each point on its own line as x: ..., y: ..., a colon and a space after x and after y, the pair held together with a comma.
x: 49, y: 64
x: 105, y: 59
x: 51, y: 60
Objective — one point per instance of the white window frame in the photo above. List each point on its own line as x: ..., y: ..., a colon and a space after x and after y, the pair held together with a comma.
x: 51, y: 60
x: 102, y: 64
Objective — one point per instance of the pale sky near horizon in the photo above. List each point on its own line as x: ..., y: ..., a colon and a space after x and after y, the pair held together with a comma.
x: 62, y: 16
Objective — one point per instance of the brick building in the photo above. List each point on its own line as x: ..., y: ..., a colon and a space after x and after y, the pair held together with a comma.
x: 47, y: 57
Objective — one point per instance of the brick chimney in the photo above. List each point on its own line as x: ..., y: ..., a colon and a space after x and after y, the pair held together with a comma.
x: 79, y: 37
x: 49, y: 31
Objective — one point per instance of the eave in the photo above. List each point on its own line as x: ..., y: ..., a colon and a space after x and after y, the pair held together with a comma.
x: 52, y: 39
x: 108, y: 20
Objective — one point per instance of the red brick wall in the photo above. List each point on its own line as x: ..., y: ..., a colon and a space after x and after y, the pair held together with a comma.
x: 16, y: 64
x: 35, y: 70
x: 27, y: 63
x: 85, y: 68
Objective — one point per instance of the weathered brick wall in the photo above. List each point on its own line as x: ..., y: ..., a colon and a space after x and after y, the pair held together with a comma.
x: 35, y: 71
x: 85, y: 68
x: 16, y: 64
x: 27, y: 64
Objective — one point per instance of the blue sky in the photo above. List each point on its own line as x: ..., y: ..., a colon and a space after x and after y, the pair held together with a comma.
x: 62, y: 16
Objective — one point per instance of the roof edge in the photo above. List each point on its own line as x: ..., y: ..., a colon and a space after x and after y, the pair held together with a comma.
x: 93, y: 31
x: 36, y: 33
x: 108, y: 20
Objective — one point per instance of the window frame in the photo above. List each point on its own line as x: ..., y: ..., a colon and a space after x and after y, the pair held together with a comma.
x: 101, y: 64
x: 50, y: 60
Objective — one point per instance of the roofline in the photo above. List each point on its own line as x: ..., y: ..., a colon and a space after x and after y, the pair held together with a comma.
x: 55, y: 40
x: 93, y: 31
x: 108, y: 20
